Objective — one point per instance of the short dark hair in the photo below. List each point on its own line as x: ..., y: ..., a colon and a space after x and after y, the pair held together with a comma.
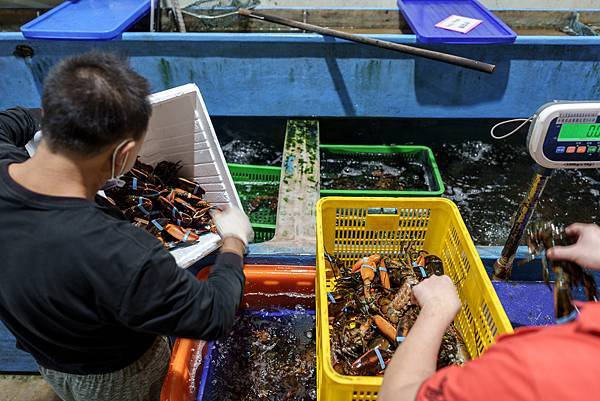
x: 91, y: 101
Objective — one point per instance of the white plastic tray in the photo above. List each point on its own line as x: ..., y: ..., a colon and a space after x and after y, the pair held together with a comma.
x: 180, y: 130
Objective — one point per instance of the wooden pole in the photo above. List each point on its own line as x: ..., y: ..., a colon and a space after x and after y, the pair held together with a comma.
x: 416, y: 51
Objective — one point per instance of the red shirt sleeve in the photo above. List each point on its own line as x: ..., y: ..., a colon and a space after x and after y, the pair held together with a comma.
x: 499, y: 374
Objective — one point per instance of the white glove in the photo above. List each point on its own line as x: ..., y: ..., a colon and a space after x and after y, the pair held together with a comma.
x: 233, y: 222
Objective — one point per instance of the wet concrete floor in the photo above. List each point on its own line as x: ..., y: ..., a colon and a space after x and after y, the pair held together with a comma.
x: 25, y: 388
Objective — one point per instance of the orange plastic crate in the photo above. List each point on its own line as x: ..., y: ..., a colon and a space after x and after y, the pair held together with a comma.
x: 266, y: 286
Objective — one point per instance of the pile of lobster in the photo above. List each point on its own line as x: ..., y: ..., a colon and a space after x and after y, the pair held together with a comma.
x: 371, y: 312
x: 170, y: 207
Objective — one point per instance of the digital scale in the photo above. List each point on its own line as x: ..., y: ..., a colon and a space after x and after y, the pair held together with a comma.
x: 562, y: 135
x: 566, y: 135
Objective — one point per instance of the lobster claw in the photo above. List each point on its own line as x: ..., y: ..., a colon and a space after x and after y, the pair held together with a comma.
x: 564, y: 310
x: 188, y: 196
x: 183, y: 205
x: 156, y: 227
x: 434, y: 265
x: 384, y: 276
x: 368, y: 269
x: 181, y: 234
x: 356, y: 267
x: 146, y: 168
x: 421, y: 258
x: 190, y: 186
x: 372, y: 261
x: 372, y: 362
x: 385, y: 327
x: 139, y: 174
x: 546, y: 270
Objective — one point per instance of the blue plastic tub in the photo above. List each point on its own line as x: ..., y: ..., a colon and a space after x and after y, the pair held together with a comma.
x: 423, y: 15
x: 210, y: 346
x: 206, y: 381
x: 87, y: 19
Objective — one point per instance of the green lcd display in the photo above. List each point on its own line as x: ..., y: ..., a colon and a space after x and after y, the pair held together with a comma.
x: 579, y: 132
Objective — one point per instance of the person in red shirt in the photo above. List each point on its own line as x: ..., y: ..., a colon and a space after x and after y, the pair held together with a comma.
x: 534, y: 363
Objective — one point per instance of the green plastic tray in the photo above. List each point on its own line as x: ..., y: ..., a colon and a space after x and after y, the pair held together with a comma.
x: 263, y: 232
x: 251, y: 181
x: 421, y: 154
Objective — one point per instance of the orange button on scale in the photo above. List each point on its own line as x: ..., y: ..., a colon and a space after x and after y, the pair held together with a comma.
x: 581, y: 149
x: 570, y: 149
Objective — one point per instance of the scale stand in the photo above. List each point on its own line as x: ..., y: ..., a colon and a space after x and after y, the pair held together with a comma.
x: 504, y: 264
x: 562, y: 135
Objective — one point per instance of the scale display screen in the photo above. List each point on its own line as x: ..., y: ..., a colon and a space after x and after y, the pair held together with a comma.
x: 579, y: 132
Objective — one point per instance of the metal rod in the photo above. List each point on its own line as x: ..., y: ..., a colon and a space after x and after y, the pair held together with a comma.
x: 151, y: 15
x: 178, y: 16
x: 416, y: 51
x: 504, y: 264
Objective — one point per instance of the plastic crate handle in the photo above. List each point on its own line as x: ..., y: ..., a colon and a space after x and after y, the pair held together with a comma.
x: 382, y: 211
x: 382, y: 219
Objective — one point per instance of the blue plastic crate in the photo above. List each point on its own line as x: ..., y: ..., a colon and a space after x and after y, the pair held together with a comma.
x: 423, y: 15
x: 87, y: 19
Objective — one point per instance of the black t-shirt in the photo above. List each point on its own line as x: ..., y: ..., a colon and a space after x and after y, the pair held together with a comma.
x: 86, y: 292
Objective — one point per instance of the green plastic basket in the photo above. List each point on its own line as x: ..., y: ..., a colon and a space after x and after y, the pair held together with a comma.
x: 250, y: 182
x: 420, y: 154
x: 255, y: 174
x: 263, y: 232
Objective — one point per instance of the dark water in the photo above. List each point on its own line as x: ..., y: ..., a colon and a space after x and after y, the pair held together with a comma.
x: 251, y: 140
x: 268, y: 356
x: 488, y: 181
x: 249, y: 151
x: 371, y: 172
x: 254, y: 141
x: 486, y: 178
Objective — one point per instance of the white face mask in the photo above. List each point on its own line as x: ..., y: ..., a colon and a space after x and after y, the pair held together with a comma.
x: 116, y: 181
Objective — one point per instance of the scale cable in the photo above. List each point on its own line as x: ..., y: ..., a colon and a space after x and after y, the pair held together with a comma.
x: 523, y: 120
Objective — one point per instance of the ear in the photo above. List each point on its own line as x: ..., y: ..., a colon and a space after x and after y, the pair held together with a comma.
x: 124, y: 154
x: 127, y: 147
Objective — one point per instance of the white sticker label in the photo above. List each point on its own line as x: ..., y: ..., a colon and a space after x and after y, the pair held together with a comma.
x: 459, y: 24
x: 577, y: 118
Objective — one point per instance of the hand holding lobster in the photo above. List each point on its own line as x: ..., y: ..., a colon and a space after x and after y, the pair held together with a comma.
x: 585, y: 251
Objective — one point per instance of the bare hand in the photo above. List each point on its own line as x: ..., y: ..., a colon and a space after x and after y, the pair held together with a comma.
x: 585, y: 252
x: 437, y: 295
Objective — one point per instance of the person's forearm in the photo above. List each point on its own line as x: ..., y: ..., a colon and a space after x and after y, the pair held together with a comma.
x: 228, y: 280
x: 17, y: 126
x: 233, y: 245
x: 202, y: 309
x: 415, y: 359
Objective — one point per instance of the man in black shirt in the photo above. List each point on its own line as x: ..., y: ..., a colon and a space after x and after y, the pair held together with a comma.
x: 87, y: 294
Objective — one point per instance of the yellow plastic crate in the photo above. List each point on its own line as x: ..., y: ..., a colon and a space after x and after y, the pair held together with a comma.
x: 350, y: 228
